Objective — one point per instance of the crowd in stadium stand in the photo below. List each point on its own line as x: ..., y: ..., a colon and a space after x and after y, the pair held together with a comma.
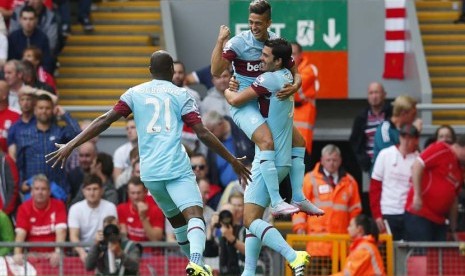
x: 57, y: 204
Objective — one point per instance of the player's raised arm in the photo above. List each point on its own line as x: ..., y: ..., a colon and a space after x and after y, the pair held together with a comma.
x: 218, y: 63
x: 96, y: 127
x: 210, y: 140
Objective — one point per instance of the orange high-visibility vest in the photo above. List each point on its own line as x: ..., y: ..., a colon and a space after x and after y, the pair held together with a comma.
x: 364, y: 259
x: 305, y: 108
x: 341, y: 203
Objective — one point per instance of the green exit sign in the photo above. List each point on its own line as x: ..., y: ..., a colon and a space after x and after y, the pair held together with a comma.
x: 318, y: 25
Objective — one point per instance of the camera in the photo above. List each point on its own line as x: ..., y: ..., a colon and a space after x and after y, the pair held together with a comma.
x: 225, y: 218
x: 110, y: 234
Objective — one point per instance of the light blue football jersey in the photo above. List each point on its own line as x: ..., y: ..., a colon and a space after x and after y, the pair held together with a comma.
x: 158, y: 107
x: 280, y: 114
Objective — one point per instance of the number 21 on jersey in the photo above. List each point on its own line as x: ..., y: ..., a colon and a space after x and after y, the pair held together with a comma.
x: 160, y: 109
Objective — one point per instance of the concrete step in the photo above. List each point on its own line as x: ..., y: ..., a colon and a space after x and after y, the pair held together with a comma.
x: 104, y: 61
x: 125, y: 4
x: 145, y: 51
x: 70, y: 93
x: 449, y: 100
x: 122, y: 83
x: 441, y: 49
x: 110, y: 40
x: 444, y: 39
x: 434, y: 16
x: 124, y: 16
x: 92, y: 102
x: 104, y: 72
x: 452, y: 114
x: 446, y: 60
x: 442, y: 28
x: 448, y: 81
x: 120, y: 29
x: 437, y: 5
x: 449, y: 91
x: 446, y: 71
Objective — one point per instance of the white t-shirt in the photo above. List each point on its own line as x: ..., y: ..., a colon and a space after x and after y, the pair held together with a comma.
x: 394, y: 171
x: 89, y: 220
x: 121, y: 158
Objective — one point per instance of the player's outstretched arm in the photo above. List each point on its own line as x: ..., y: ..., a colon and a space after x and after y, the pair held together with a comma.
x: 289, y: 90
x: 95, y: 128
x: 218, y: 63
x: 210, y: 140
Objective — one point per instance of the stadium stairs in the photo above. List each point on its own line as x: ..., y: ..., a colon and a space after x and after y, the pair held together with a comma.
x: 444, y: 44
x: 96, y: 68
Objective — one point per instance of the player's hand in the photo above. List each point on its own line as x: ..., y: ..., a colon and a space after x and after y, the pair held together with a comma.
x: 224, y: 33
x: 287, y: 91
x: 233, y: 84
x: 60, y: 155
x: 417, y: 203
x: 242, y: 172
x: 380, y: 224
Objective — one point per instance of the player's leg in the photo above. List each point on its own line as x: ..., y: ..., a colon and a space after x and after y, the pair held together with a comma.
x: 185, y: 194
x: 170, y: 210
x: 296, y: 175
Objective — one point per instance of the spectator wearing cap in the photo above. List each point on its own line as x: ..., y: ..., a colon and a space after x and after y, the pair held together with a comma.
x: 390, y: 181
x: 437, y: 176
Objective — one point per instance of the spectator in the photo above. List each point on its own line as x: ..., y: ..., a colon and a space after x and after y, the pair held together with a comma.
x: 124, y: 177
x: 34, y: 55
x: 123, y: 190
x: 8, y: 116
x: 6, y: 9
x: 140, y: 218
x: 444, y: 133
x: 41, y: 219
x: 461, y: 18
x: 30, y: 78
x: 390, y: 182
x: 179, y: 78
x: 304, y: 99
x: 200, y: 167
x: 14, y: 72
x: 364, y: 257
x: 234, y: 140
x: 201, y: 76
x: 27, y: 119
x: 46, y: 21
x: 34, y: 142
x: 387, y: 134
x: 362, y: 137
x: 121, y: 159
x: 9, y: 189
x: 29, y: 34
x: 334, y: 191
x: 86, y: 216
x: 73, y: 160
x: 102, y: 167
x: 124, y: 254
x: 437, y: 177
x: 6, y: 232
x: 215, y: 101
x: 87, y: 153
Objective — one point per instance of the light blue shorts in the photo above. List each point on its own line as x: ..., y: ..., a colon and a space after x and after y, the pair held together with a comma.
x: 247, y: 117
x: 175, y: 195
x: 256, y: 191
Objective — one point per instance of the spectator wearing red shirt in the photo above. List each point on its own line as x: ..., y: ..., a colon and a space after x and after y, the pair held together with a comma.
x: 140, y: 218
x: 41, y: 219
x: 8, y: 116
x: 437, y: 177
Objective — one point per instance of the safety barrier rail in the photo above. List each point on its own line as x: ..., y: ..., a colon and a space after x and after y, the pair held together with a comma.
x: 340, y: 250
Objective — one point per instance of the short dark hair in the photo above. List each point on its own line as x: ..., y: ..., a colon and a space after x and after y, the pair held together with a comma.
x: 368, y: 225
x: 260, y: 7
x: 135, y: 181
x: 180, y: 63
x: 107, y: 163
x: 27, y: 9
x: 29, y: 69
x: 44, y: 97
x: 161, y: 65
x: 280, y: 48
x: 111, y: 233
x: 90, y: 179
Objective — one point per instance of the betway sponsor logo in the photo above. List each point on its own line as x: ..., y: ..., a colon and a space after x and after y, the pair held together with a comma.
x: 248, y: 68
x: 253, y: 67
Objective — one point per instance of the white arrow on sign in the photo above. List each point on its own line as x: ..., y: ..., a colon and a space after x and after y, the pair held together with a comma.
x: 332, y: 39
